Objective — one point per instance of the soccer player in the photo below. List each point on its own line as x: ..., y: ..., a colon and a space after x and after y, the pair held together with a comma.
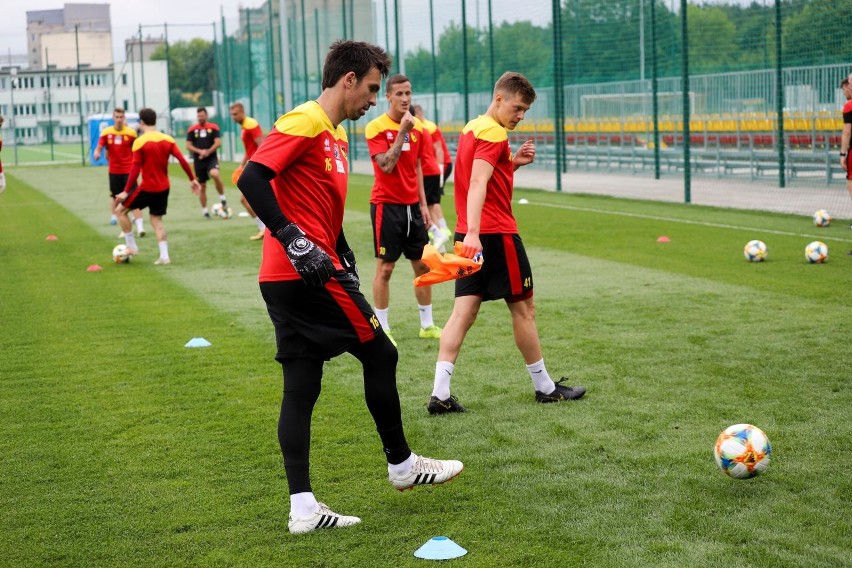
x: 202, y: 141
x: 433, y: 179
x: 484, y: 177
x: 398, y: 201
x: 118, y: 142
x: 2, y: 175
x: 296, y: 182
x: 151, y: 152
x: 252, y: 136
x: 845, y: 158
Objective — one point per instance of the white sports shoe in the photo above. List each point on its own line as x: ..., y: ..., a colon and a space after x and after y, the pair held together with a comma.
x: 140, y: 232
x: 439, y: 238
x: 163, y: 261
x: 427, y: 471
x: 325, y: 518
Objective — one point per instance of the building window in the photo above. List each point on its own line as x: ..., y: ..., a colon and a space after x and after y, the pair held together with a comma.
x: 124, y: 80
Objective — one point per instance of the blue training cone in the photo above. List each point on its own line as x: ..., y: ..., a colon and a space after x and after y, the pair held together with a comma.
x: 439, y: 548
x: 198, y: 342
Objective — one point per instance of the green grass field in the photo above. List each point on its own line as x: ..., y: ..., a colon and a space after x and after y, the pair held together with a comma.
x: 123, y: 448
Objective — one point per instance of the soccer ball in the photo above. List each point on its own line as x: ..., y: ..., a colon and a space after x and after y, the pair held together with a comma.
x: 221, y: 211
x: 816, y: 252
x: 742, y: 451
x: 755, y: 251
x: 822, y: 218
x: 120, y: 253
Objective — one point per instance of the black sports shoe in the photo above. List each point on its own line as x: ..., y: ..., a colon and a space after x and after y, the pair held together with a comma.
x: 438, y: 406
x: 562, y: 392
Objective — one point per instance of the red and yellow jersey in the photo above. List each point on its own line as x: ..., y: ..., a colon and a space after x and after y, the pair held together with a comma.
x: 429, y: 160
x: 251, y: 132
x: 483, y: 138
x: 151, y: 153
x: 847, y: 112
x: 309, y: 158
x: 119, y: 147
x: 401, y: 185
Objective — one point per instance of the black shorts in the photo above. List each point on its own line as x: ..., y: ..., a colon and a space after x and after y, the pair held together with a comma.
x: 448, y: 171
x: 505, y: 274
x: 398, y: 230
x: 318, y: 322
x: 432, y: 185
x: 117, y: 183
x: 203, y: 167
x: 156, y: 201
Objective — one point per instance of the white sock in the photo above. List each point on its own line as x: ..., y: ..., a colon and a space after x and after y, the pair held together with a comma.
x: 259, y: 223
x: 433, y: 228
x: 164, y: 249
x: 223, y: 199
x: 203, y: 210
x: 442, y: 222
x: 426, y: 316
x: 443, y: 375
x: 130, y: 240
x: 138, y: 223
x: 400, y: 469
x: 383, y: 317
x: 541, y: 380
x: 303, y: 504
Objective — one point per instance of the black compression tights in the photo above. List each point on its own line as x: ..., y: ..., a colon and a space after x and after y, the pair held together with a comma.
x: 302, y: 378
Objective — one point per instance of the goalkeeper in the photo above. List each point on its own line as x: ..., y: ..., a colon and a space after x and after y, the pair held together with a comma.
x: 296, y: 183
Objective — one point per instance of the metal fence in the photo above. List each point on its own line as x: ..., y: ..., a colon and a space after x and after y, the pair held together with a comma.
x: 732, y: 88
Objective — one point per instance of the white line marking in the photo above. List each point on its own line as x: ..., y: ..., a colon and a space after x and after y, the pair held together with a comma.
x: 691, y: 222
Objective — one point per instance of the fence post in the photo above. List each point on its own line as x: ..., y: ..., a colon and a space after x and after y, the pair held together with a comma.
x: 687, y: 165
x: 464, y: 59
x: 654, y: 88
x: 779, y: 98
x: 79, y: 93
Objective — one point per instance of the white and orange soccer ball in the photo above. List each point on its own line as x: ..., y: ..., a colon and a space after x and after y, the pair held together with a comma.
x: 822, y: 218
x: 742, y: 451
x: 221, y: 211
x: 120, y: 254
x: 755, y: 251
x: 816, y: 252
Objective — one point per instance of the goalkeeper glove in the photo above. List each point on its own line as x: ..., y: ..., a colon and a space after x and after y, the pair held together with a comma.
x: 311, y: 262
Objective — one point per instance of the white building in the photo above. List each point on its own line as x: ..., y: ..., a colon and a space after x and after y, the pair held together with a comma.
x: 61, y: 34
x: 40, y: 105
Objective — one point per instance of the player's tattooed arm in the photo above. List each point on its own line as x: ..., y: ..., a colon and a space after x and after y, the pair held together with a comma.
x: 387, y: 160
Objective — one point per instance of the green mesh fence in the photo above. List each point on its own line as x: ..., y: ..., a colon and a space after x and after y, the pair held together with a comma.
x: 739, y: 90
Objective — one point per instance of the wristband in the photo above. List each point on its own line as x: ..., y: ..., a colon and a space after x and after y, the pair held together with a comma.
x: 842, y: 154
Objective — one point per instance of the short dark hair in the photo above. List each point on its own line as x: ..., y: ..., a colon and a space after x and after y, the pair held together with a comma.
x: 356, y: 56
x: 844, y: 82
x: 148, y: 116
x: 201, y: 109
x: 512, y: 83
x: 118, y: 110
x: 395, y: 80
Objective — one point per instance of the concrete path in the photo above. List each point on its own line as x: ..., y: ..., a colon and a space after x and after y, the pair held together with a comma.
x: 801, y: 197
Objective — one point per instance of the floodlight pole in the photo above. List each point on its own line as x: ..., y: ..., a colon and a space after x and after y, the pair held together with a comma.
x: 142, y: 64
x: 687, y: 165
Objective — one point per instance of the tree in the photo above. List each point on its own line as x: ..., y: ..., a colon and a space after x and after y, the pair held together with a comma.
x: 190, y: 72
x: 818, y: 34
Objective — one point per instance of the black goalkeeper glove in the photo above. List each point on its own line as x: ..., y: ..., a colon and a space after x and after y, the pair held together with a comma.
x: 347, y: 259
x: 310, y: 261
